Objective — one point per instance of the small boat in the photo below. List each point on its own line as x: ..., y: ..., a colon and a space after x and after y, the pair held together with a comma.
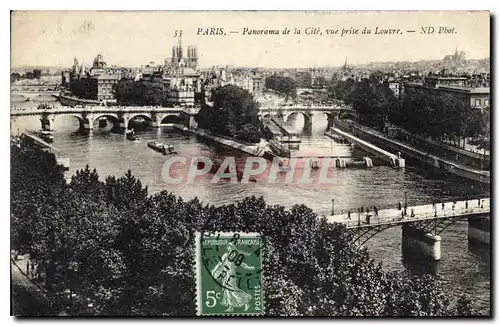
x: 283, y: 166
x: 278, y: 148
x: 131, y: 135
x: 161, y: 147
x: 46, y: 136
x: 338, y: 139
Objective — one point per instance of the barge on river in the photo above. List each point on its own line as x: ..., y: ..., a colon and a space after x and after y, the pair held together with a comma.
x: 161, y: 147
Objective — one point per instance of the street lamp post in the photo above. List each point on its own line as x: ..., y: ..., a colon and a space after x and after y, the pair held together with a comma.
x: 333, y: 206
x: 406, y: 201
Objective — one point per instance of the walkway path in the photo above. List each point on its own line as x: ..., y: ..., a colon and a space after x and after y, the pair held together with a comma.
x: 422, y: 212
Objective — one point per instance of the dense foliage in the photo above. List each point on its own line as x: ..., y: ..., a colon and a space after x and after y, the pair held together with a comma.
x: 34, y: 74
x: 132, y: 254
x: 439, y: 116
x: 284, y: 86
x: 131, y: 92
x: 234, y: 114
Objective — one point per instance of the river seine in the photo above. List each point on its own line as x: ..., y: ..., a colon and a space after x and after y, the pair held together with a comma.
x: 463, y: 269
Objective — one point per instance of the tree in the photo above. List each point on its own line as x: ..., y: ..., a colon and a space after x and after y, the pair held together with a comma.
x: 284, y: 86
x: 133, y: 254
x: 37, y: 73
x: 14, y: 77
x: 320, y: 82
x: 234, y: 114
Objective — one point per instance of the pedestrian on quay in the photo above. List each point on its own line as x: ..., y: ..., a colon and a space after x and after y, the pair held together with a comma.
x: 33, y: 270
x: 482, y: 203
x: 349, y: 214
x: 412, y: 213
x: 466, y: 204
x: 478, y: 202
x: 362, y: 209
x: 400, y: 204
x: 453, y: 206
x: 433, y: 203
x: 442, y: 206
x: 375, y: 209
x: 402, y: 215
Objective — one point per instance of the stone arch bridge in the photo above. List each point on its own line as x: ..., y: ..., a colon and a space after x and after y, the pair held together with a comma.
x: 332, y: 112
x: 119, y: 115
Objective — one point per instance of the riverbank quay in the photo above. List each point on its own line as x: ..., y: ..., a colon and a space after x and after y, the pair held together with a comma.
x: 474, y: 160
x: 32, y: 297
x: 250, y: 149
x: 33, y: 140
x: 390, y: 158
x: 29, y: 298
x: 379, y: 139
x: 283, y: 126
x: 263, y: 150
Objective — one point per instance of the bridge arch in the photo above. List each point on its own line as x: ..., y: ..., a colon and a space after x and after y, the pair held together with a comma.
x: 109, y: 116
x: 134, y: 117
x: 170, y: 118
x: 431, y: 226
x: 78, y: 117
x: 307, y: 117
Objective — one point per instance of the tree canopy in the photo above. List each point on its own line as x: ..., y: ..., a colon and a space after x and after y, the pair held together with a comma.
x: 234, y: 114
x: 284, y: 86
x: 440, y: 116
x: 130, y: 253
x: 131, y: 92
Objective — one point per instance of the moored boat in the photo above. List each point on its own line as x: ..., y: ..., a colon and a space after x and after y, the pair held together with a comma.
x: 46, y: 136
x: 131, y: 135
x: 161, y: 147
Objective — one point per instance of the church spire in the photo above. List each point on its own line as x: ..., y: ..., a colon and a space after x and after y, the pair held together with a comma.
x: 180, y: 48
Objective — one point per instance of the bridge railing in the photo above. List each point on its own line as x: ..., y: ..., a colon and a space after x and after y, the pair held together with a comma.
x: 437, y: 214
x: 99, y: 109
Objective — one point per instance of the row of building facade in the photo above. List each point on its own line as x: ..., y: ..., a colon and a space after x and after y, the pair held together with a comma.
x: 179, y: 79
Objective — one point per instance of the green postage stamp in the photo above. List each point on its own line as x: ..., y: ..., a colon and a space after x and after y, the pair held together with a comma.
x: 228, y: 274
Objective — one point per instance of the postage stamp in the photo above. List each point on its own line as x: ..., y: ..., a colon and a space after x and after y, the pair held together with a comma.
x: 229, y: 274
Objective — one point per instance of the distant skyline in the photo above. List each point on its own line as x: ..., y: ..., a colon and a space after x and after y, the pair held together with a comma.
x: 54, y: 38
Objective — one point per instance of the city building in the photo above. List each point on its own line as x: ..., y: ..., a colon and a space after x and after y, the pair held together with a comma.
x: 97, y: 83
x: 456, y: 58
x: 474, y: 97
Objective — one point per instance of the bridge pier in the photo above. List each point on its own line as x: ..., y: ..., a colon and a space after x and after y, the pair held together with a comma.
x: 479, y: 230
x: 47, y: 124
x: 156, y: 123
x: 192, y: 123
x: 123, y: 123
x: 88, y: 123
x: 417, y: 241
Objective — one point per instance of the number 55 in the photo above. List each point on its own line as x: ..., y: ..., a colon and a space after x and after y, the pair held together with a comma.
x: 212, y: 298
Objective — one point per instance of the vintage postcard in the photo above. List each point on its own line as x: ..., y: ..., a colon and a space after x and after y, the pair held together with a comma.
x: 250, y: 163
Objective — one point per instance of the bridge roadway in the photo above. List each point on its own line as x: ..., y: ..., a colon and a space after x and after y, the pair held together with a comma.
x: 102, y: 109
x: 392, y: 216
x: 324, y: 108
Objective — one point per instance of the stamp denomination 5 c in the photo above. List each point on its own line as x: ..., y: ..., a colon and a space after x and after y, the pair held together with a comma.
x: 228, y: 271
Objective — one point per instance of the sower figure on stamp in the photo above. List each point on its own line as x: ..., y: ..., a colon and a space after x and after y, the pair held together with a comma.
x: 224, y: 271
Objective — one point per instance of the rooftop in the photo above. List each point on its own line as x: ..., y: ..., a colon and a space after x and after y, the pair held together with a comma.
x: 477, y: 90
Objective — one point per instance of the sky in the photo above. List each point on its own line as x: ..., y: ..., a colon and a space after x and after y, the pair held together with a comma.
x: 54, y: 38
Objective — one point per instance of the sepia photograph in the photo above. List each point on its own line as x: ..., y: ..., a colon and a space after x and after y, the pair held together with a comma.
x: 250, y: 163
